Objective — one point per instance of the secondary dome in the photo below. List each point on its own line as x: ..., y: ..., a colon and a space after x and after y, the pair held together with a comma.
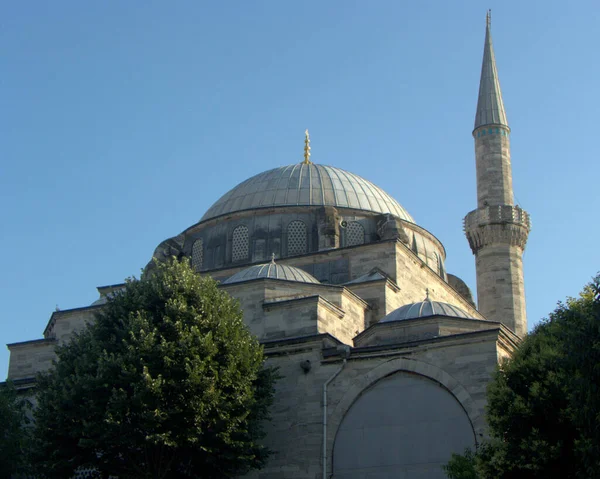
x: 424, y: 309
x: 305, y: 184
x: 272, y: 270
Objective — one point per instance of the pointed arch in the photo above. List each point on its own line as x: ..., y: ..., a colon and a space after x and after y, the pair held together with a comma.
x: 358, y: 386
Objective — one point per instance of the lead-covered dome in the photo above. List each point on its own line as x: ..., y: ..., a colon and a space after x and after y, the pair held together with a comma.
x: 425, y: 309
x: 306, y: 184
x: 272, y: 270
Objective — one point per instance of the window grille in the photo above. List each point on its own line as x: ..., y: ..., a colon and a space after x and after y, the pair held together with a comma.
x: 197, y: 254
x: 296, y: 238
x: 355, y: 234
x: 239, y: 247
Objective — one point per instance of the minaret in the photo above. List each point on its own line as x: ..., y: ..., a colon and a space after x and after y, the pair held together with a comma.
x: 497, y: 230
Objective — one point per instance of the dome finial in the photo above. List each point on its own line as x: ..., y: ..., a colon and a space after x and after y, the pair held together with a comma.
x: 427, y: 294
x: 272, y: 258
x: 306, y: 148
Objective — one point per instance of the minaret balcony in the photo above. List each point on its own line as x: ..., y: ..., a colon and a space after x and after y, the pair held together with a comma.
x: 497, y: 224
x: 497, y: 214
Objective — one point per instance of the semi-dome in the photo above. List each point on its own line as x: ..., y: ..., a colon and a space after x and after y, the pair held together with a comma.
x: 425, y: 309
x: 272, y: 270
x: 306, y: 184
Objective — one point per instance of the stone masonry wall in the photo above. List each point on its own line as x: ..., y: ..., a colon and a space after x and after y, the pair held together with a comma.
x: 494, y: 170
x: 414, y: 278
x: 275, y: 309
x: 501, y: 286
x: 465, y: 366
x: 29, y: 358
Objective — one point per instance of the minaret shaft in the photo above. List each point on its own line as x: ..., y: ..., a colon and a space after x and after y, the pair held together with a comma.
x: 501, y: 287
x: 497, y: 230
x: 494, y: 170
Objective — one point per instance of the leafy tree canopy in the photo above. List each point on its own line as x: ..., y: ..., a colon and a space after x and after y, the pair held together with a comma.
x: 544, y: 403
x: 14, y: 433
x: 167, y: 382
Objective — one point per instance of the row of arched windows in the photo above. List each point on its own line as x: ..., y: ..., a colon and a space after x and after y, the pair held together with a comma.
x: 297, y: 241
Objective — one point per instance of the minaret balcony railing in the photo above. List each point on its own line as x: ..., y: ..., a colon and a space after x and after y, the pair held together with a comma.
x: 497, y: 214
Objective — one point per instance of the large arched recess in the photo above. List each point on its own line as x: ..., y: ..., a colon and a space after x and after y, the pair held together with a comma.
x: 404, y: 426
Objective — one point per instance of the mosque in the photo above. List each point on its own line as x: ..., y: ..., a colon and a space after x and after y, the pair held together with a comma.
x: 384, y: 355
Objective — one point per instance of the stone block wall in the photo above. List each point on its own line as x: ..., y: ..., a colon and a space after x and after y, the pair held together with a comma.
x: 63, y: 324
x: 494, y: 169
x: 414, y: 278
x: 501, y: 286
x: 463, y: 365
x: 30, y: 357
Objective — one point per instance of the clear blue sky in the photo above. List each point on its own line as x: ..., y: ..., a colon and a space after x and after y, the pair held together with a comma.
x: 122, y: 122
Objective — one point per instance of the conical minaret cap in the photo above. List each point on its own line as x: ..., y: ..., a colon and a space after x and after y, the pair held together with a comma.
x: 490, y: 108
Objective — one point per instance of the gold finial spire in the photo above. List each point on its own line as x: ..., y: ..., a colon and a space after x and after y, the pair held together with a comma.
x: 306, y: 148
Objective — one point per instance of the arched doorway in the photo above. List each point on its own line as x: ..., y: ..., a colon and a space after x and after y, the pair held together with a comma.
x: 404, y: 426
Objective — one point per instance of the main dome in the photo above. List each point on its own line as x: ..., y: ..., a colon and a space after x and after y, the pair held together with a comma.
x: 305, y: 184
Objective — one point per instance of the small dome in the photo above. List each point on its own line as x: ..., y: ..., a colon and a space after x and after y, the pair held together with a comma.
x: 424, y: 309
x: 272, y: 270
x: 306, y: 185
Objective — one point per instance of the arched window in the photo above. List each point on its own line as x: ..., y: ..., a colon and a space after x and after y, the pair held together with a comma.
x: 296, y: 238
x: 355, y: 234
x: 239, y: 244
x: 440, y: 262
x: 197, y: 254
x: 415, y: 248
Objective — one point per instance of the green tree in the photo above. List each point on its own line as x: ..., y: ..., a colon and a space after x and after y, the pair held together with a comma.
x: 461, y: 466
x: 14, y: 433
x: 544, y: 403
x: 167, y: 382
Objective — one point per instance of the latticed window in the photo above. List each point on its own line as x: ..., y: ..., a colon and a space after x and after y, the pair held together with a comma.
x: 355, y: 234
x: 239, y: 244
x: 296, y: 238
x: 197, y: 254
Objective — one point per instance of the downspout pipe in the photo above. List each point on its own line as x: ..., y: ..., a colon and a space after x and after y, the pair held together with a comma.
x: 345, y: 349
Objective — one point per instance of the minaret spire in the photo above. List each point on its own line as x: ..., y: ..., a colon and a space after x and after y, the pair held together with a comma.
x: 498, y: 229
x: 490, y: 107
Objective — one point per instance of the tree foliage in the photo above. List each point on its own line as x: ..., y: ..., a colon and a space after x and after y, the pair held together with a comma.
x: 544, y: 403
x: 14, y: 431
x: 167, y: 382
x: 461, y: 466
